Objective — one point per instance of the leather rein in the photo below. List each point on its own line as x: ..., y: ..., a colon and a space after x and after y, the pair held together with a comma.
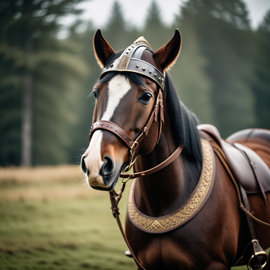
x: 132, y: 145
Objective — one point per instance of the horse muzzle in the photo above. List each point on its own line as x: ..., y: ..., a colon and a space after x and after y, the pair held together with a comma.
x: 107, y: 176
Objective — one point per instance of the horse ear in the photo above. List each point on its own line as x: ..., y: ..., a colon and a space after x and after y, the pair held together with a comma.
x: 102, y: 49
x: 167, y: 55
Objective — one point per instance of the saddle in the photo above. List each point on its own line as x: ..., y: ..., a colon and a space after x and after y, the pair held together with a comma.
x: 250, y: 175
x: 249, y: 169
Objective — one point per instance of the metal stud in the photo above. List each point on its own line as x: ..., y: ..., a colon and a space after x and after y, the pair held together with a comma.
x: 126, y: 52
x: 111, y: 126
x: 125, y: 137
x: 150, y: 72
x: 137, y: 66
x: 121, y: 134
x: 111, y: 65
x: 106, y: 125
x: 155, y: 75
x: 101, y: 124
x: 159, y: 78
x: 143, y: 68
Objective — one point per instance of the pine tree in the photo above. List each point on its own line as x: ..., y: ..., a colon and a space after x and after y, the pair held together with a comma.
x: 155, y: 31
x: 115, y: 31
x: 189, y: 73
x: 227, y: 46
x: 40, y: 74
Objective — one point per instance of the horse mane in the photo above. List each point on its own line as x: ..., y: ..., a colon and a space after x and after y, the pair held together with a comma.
x: 183, y: 122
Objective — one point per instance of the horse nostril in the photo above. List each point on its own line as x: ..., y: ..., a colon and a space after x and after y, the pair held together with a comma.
x: 84, y: 168
x: 107, y: 167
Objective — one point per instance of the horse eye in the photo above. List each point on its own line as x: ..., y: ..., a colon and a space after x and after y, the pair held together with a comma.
x: 145, y: 98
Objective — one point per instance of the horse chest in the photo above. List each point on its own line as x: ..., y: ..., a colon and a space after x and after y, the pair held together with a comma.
x: 167, y: 253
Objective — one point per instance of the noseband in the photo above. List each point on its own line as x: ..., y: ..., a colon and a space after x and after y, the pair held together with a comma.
x: 130, y: 61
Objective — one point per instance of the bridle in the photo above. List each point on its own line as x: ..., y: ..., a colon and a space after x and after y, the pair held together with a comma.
x: 130, y: 61
x: 133, y: 144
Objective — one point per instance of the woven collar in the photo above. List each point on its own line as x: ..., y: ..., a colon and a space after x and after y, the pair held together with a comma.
x: 192, y: 207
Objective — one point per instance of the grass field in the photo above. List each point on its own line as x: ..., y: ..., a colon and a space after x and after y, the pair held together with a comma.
x: 50, y: 220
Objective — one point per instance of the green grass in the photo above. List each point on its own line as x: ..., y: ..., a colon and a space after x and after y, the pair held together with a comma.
x: 40, y: 232
x: 60, y: 234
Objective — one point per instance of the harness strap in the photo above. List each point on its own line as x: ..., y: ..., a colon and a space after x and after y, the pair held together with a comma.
x: 115, y: 199
x: 113, y: 128
x: 160, y: 166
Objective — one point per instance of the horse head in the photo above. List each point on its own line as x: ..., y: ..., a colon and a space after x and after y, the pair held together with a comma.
x: 128, y: 113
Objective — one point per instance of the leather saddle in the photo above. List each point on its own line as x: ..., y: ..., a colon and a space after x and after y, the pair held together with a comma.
x: 249, y: 169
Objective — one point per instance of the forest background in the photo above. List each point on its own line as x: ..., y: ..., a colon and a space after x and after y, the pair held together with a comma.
x: 222, y: 74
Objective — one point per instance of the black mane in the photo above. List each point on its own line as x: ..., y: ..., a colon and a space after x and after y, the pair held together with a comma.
x: 184, y: 123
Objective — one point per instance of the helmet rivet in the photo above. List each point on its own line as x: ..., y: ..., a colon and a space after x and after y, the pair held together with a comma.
x: 155, y: 75
x: 111, y: 65
x: 137, y: 66
x: 150, y: 72
x: 143, y: 68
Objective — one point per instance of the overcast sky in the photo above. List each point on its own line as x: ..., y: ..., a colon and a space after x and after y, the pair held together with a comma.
x: 98, y: 11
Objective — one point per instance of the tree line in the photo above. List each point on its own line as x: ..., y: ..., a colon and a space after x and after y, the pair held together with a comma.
x: 222, y: 74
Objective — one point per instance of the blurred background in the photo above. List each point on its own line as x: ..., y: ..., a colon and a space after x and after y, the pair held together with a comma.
x: 47, y: 67
x: 48, y: 220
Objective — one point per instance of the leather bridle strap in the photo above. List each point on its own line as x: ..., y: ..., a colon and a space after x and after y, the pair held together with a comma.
x: 115, y: 199
x: 113, y: 128
x: 160, y: 166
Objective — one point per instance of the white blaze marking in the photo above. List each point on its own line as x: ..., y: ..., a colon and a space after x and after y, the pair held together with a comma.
x: 118, y: 87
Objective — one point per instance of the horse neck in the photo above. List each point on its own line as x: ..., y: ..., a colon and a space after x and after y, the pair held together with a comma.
x: 163, y: 192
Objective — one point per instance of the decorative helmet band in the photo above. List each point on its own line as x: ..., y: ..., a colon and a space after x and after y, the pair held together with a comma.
x: 130, y: 61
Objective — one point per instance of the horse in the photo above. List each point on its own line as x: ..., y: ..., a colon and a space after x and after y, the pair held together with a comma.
x: 139, y: 121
